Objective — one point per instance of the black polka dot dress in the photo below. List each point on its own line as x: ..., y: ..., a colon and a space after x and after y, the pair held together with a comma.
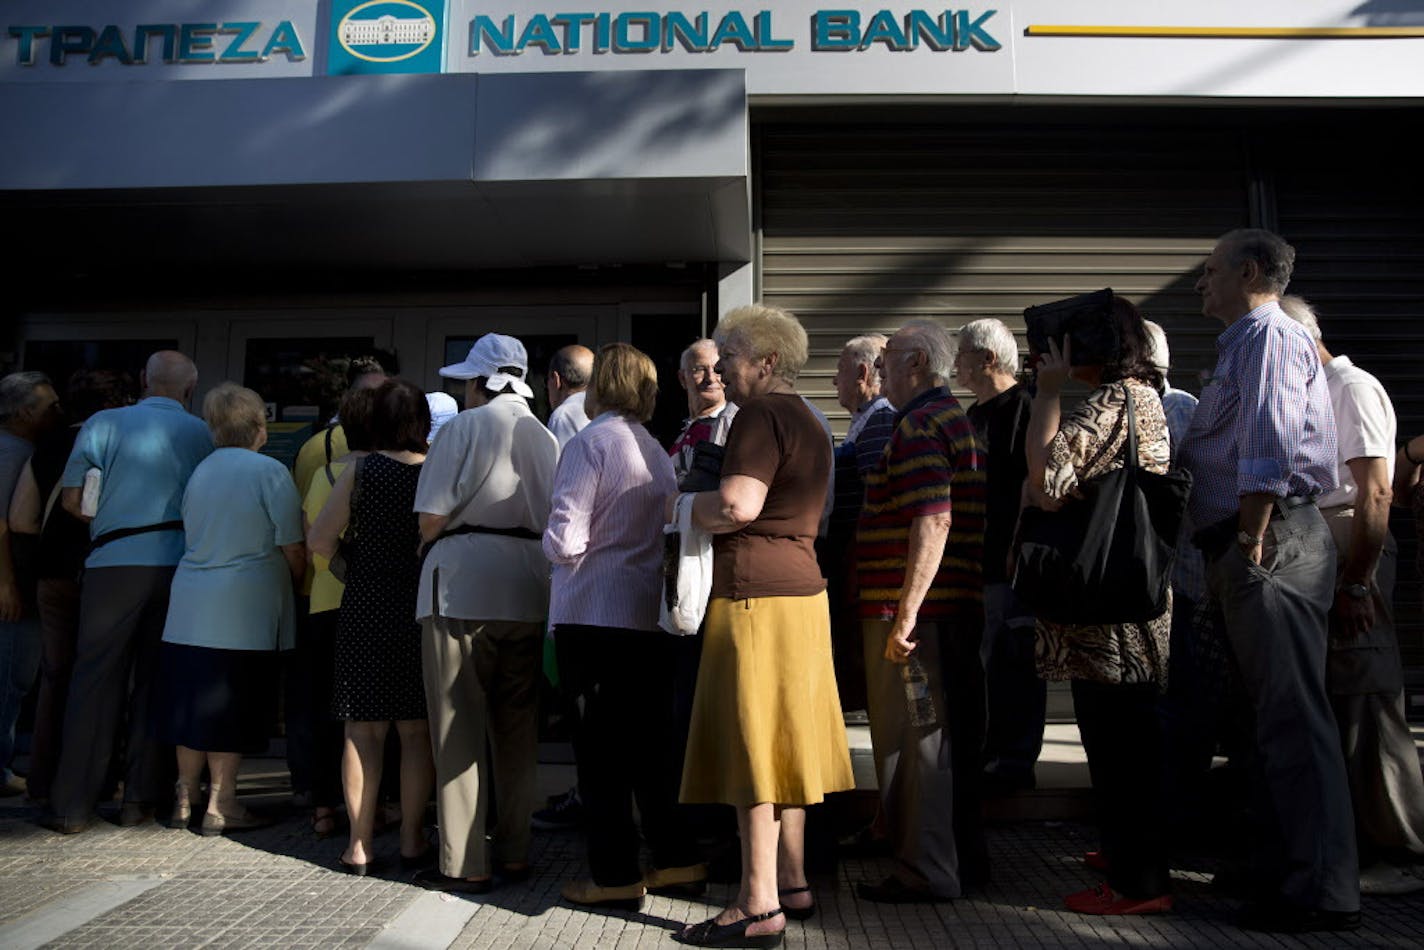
x: 378, y: 674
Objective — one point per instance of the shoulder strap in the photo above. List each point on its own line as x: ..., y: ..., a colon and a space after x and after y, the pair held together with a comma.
x: 329, y: 430
x: 330, y: 475
x: 1131, y: 457
x: 49, y: 505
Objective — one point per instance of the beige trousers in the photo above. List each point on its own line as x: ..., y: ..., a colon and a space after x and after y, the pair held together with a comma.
x: 481, y: 688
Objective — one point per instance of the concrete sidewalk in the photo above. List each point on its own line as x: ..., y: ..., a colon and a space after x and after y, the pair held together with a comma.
x: 152, y: 887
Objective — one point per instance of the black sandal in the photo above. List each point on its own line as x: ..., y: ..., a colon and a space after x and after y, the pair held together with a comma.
x: 798, y: 913
x: 709, y: 933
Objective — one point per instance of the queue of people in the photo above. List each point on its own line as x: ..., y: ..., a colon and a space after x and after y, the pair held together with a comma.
x: 417, y: 576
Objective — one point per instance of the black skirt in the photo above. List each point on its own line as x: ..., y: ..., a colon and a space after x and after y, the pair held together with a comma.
x: 216, y: 700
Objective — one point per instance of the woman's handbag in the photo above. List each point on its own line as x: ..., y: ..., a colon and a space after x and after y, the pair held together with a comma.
x: 340, y: 561
x: 687, y: 572
x: 1106, y: 558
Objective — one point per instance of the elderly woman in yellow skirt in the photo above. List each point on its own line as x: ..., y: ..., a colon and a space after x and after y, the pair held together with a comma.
x: 767, y: 735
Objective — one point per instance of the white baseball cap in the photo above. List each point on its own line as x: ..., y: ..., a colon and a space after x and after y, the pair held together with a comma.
x: 443, y: 408
x: 491, y: 355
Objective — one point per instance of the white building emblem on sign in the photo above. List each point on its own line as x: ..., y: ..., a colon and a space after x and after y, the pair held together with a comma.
x: 376, y: 34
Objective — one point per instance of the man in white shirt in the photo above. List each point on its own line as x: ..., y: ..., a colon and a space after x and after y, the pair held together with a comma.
x: 483, y: 501
x: 709, y: 414
x: 1363, y: 673
x: 566, y: 383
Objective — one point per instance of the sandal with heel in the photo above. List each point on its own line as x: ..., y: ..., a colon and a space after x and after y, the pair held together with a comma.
x: 797, y: 913
x: 709, y: 933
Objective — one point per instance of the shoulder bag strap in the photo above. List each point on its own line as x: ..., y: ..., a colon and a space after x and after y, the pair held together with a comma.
x: 49, y: 505
x: 1131, y: 458
x: 329, y: 430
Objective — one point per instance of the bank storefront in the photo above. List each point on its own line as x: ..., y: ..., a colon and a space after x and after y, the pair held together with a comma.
x: 285, y: 182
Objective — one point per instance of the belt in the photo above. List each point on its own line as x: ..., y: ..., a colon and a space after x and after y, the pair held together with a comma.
x: 1290, y: 503
x: 1215, y: 539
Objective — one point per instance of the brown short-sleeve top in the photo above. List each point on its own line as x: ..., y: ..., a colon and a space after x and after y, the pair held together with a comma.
x: 778, y: 441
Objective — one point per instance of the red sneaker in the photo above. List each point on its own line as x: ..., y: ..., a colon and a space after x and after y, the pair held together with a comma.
x: 1103, y: 900
x: 1096, y: 860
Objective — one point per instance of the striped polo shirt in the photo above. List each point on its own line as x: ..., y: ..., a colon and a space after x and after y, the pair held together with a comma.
x: 931, y: 465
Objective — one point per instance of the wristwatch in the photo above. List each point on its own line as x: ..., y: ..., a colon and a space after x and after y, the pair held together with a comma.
x: 1249, y: 540
x: 1357, y: 591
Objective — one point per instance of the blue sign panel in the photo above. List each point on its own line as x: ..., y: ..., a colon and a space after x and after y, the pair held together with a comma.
x: 386, y: 36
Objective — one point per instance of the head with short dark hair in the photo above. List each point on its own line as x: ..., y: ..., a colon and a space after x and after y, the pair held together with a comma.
x: 400, y: 417
x: 574, y: 364
x: 1135, y: 353
x: 235, y: 415
x: 92, y: 390
x: 624, y: 380
x: 356, y: 408
x: 1274, y: 258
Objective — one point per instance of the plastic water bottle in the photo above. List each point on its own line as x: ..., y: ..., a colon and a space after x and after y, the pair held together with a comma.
x: 917, y: 693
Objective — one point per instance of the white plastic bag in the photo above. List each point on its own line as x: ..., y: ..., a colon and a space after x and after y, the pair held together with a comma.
x: 684, y: 599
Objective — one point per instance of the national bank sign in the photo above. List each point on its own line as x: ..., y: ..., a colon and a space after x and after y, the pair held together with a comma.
x: 764, y: 31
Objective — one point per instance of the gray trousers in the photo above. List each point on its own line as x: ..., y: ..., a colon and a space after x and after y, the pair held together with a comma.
x: 1366, y: 682
x: 1275, y: 616
x: 122, y: 611
x: 933, y: 820
x: 481, y: 690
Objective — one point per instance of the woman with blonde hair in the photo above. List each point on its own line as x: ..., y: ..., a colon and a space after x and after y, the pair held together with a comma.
x: 767, y: 735
x: 231, y: 610
x: 605, y: 541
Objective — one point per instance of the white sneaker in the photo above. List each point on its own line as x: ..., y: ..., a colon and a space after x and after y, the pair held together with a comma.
x: 1386, y: 880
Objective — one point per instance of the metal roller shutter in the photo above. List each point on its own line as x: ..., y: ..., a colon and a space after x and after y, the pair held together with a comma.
x: 1356, y: 218
x: 864, y: 227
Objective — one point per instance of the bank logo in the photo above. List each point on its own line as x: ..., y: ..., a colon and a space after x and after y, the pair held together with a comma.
x: 384, y: 36
x: 386, y: 31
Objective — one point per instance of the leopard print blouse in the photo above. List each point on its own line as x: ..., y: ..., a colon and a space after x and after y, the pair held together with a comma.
x: 1091, y: 441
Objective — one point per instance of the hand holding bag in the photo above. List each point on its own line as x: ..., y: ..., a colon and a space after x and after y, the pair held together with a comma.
x: 1106, y: 558
x: 687, y: 572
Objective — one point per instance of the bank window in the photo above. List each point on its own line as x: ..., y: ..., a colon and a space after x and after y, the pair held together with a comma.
x: 302, y: 378
x: 60, y: 359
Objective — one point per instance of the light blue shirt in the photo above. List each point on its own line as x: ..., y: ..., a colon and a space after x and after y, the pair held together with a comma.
x: 146, y: 453
x: 233, y: 589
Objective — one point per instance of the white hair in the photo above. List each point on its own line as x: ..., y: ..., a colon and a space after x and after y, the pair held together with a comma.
x: 1157, y: 349
x: 932, y: 339
x: 992, y: 336
x: 864, y: 351
x: 1300, y: 310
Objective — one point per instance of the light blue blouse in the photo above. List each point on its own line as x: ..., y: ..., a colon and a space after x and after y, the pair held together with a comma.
x: 233, y: 590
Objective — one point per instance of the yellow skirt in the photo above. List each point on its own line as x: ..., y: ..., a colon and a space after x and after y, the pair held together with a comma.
x: 766, y: 719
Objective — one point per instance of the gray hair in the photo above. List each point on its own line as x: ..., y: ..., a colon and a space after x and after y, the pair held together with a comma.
x: 992, y: 336
x: 20, y: 391
x: 1157, y: 348
x: 764, y: 330
x: 864, y: 351
x: 1268, y: 250
x: 1300, y: 310
x: 934, y: 340
x: 685, y: 362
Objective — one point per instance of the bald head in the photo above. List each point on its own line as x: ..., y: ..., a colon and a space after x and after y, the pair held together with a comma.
x: 171, y: 374
x: 569, y: 372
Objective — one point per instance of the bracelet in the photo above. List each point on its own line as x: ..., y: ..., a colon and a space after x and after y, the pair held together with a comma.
x: 1411, y: 459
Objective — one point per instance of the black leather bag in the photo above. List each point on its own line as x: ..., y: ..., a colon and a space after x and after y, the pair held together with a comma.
x: 1105, y: 558
x: 345, y: 545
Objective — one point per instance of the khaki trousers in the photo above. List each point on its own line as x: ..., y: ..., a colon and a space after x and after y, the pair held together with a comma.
x: 481, y: 688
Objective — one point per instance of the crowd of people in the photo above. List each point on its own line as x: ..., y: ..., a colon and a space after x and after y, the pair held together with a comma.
x: 154, y: 568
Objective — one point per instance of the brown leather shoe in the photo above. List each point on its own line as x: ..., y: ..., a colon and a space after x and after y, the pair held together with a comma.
x: 687, y: 881
x: 589, y: 894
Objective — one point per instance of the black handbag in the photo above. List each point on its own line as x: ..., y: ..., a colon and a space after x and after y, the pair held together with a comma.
x: 1105, y: 558
x: 346, y: 544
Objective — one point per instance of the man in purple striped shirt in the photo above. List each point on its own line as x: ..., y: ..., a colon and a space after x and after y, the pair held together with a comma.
x: 1261, y: 448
